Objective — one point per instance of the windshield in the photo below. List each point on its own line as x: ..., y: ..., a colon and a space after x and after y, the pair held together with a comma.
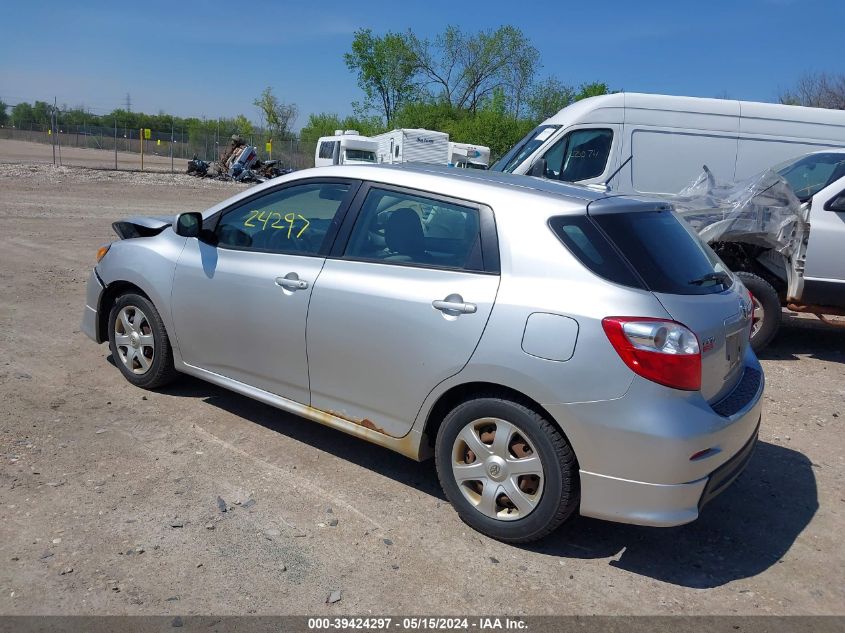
x: 524, y: 148
x: 810, y: 174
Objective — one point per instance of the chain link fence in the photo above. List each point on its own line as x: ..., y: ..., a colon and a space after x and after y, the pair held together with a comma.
x: 121, y: 148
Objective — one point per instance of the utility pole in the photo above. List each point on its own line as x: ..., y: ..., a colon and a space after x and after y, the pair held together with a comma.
x: 128, y: 103
x: 171, y: 146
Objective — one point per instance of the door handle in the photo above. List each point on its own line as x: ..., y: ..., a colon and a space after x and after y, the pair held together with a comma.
x: 291, y: 281
x: 454, y: 304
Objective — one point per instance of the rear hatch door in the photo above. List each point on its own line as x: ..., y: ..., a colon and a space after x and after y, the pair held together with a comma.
x: 688, y: 279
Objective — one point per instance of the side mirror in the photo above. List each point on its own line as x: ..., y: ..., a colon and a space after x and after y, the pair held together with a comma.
x: 837, y: 203
x: 538, y: 169
x: 188, y: 224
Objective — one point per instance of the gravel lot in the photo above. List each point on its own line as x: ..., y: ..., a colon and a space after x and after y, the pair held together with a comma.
x: 110, y: 497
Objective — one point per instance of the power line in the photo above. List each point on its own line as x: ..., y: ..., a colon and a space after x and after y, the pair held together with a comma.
x: 128, y: 102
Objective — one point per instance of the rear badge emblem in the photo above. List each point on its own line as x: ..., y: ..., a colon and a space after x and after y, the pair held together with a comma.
x: 708, y: 344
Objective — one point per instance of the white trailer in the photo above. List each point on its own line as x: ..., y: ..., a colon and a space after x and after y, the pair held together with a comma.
x: 345, y: 148
x: 469, y: 156
x: 413, y: 146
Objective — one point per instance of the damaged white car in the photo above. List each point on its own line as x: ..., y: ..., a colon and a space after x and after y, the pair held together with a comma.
x: 782, y: 232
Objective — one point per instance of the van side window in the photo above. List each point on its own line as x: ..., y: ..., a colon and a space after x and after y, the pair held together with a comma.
x: 580, y: 155
x: 327, y: 149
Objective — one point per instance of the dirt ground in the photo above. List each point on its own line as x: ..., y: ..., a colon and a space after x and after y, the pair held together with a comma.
x: 110, y: 496
x: 13, y: 151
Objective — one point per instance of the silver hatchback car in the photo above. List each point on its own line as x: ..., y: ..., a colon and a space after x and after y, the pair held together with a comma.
x: 556, y: 349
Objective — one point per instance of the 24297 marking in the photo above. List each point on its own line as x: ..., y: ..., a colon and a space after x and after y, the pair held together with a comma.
x: 263, y: 219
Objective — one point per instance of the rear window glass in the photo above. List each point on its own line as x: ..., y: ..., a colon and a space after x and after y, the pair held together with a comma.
x: 665, y: 252
x: 586, y: 242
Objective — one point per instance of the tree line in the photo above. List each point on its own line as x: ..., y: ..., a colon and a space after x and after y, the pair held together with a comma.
x: 276, y: 120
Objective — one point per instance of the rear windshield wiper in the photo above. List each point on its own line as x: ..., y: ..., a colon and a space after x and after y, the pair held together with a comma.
x: 722, y: 278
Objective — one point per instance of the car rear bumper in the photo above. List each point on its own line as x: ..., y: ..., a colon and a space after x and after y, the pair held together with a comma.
x: 90, y: 316
x: 658, y: 505
x: 655, y: 457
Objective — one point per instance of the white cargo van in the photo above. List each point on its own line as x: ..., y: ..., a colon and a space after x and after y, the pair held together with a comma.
x: 642, y: 143
x: 345, y: 148
x: 469, y: 156
x: 410, y: 145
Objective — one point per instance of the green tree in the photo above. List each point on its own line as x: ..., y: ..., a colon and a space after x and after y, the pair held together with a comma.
x: 549, y: 97
x: 593, y: 89
x: 464, y: 69
x: 243, y: 126
x: 325, y: 124
x: 41, y: 111
x: 22, y: 115
x: 4, y: 116
x: 277, y: 115
x: 386, y: 67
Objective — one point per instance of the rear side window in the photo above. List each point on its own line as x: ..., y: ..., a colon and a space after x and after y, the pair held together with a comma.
x: 586, y: 242
x: 665, y: 252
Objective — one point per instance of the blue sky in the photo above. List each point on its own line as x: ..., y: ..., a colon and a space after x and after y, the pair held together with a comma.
x: 211, y: 58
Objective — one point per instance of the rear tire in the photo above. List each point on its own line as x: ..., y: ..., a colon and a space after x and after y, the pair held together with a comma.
x: 767, y: 310
x: 139, y: 344
x: 531, y: 444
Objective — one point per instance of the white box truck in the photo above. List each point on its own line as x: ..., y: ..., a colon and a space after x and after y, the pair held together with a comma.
x: 410, y: 145
x: 644, y: 143
x: 469, y: 156
x: 345, y: 148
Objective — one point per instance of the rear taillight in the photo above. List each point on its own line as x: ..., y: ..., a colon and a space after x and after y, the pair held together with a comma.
x: 663, y: 351
x: 753, y: 313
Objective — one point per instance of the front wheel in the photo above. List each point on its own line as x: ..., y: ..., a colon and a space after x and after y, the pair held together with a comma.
x: 766, y: 310
x: 139, y: 344
x: 508, y: 471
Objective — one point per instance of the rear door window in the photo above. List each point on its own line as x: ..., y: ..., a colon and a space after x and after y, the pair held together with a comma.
x: 402, y: 228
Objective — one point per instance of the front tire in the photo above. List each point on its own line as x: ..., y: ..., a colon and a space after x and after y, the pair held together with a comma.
x: 507, y: 470
x: 766, y: 310
x: 139, y: 344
